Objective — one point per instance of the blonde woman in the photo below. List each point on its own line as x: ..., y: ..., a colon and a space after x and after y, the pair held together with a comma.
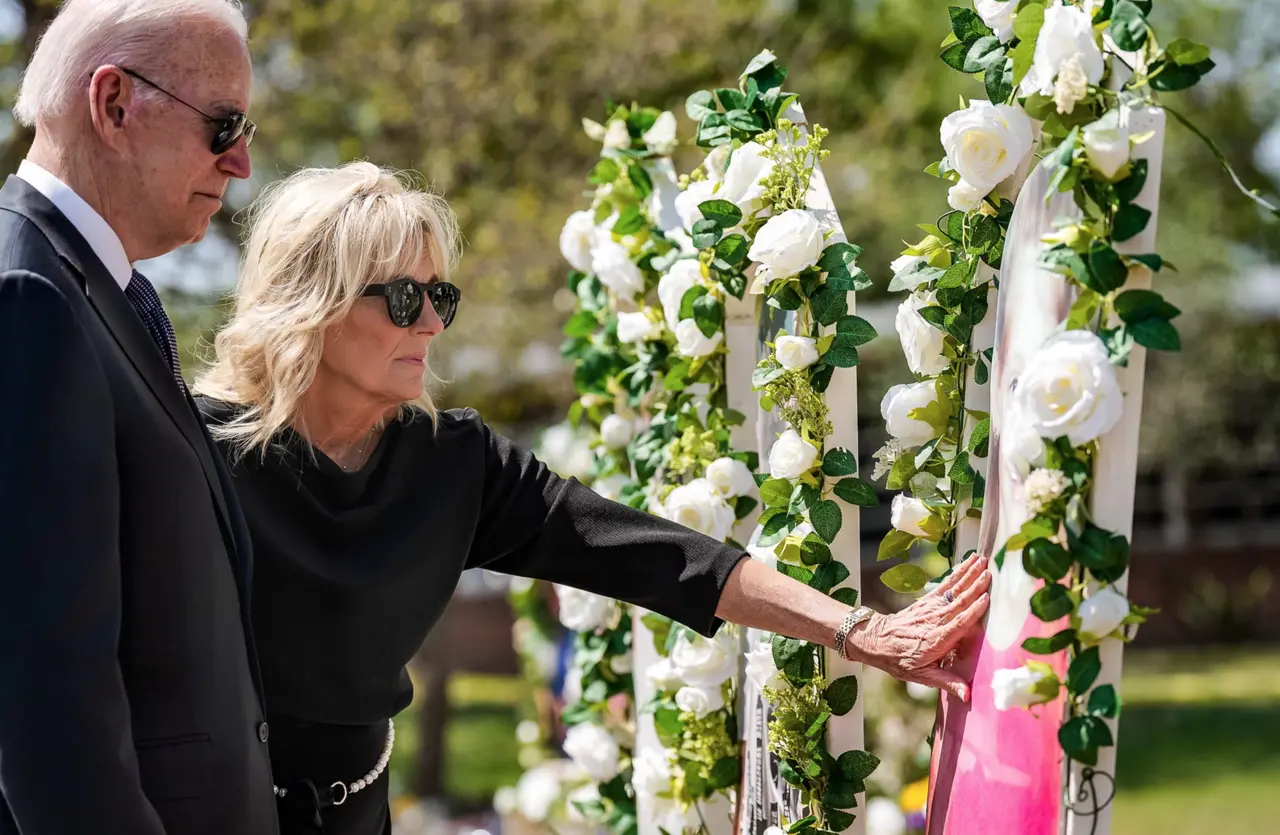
x: 365, y: 503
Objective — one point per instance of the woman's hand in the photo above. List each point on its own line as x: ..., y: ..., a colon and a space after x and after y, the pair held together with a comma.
x: 913, y: 644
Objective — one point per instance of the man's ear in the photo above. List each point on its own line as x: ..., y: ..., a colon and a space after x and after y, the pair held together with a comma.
x: 111, y: 103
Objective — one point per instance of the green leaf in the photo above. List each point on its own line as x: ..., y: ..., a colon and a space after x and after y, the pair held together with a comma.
x: 859, y: 330
x: 709, y: 314
x: 1128, y: 189
x: 1048, y: 646
x: 855, y: 491
x: 1128, y: 26
x: 775, y: 529
x: 843, y: 352
x: 839, y: 260
x: 1046, y: 560
x: 1137, y: 305
x: 1051, y: 603
x: 829, y: 305
x: 1187, y: 53
x: 896, y: 543
x: 1084, y: 670
x: 732, y: 250
x: 841, y: 793
x: 785, y: 297
x: 1158, y: 335
x: 706, y: 233
x: 847, y: 595
x: 999, y: 80
x: 836, y: 820
x: 582, y: 323
x: 629, y: 221
x: 829, y: 575
x: 983, y: 54
x: 803, y: 498
x: 775, y: 492
x: 731, y: 99
x: 640, y: 179
x: 980, y: 373
x: 1103, y: 271
x: 763, y: 375
x: 857, y: 766
x: 795, y: 572
x: 688, y: 300
x: 700, y: 105
x: 734, y: 283
x: 901, y: 472
x: 743, y: 120
x: 1106, y: 555
x: 787, y: 650
x: 725, y: 214
x: 813, y: 551
x: 743, y: 506
x: 838, y: 462
x: 1167, y: 76
x: 826, y: 519
x: 605, y: 171
x: 967, y: 25
x: 936, y: 316
x: 959, y: 326
x: 1082, y: 736
x: 789, y: 773
x: 954, y: 55
x: 1130, y: 221
x: 841, y: 695
x: 1104, y: 702
x: 980, y: 439
x: 906, y: 578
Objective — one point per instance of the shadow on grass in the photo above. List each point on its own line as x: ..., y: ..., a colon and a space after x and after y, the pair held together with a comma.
x: 1164, y: 744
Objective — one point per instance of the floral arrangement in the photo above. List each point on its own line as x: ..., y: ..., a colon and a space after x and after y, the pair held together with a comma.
x: 614, y: 249
x: 1062, y: 78
x: 748, y: 214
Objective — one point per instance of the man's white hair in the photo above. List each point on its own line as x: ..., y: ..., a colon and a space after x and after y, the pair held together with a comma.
x: 88, y: 34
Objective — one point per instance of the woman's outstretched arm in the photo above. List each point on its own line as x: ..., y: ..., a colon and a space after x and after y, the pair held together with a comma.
x: 908, y: 644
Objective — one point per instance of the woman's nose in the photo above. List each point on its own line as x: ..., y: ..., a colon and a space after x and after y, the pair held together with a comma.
x: 429, y: 321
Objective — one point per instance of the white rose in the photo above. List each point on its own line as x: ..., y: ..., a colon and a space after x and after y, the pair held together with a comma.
x: 909, y: 514
x: 763, y: 671
x: 583, y: 611
x: 730, y: 477
x: 965, y: 198
x: 692, y: 342
x: 576, y: 239
x: 921, y: 341
x: 762, y: 553
x: 998, y: 15
x: 698, y: 506
x: 705, y: 662
x: 661, y: 138
x: 637, y: 327
x: 663, y: 675
x: 612, y: 264
x: 791, y: 456
x: 788, y: 243
x: 985, y: 142
x: 687, y: 203
x: 565, y: 451
x: 896, y: 407
x: 594, y: 750
x: 505, y: 800
x: 1067, y: 34
x: 617, y: 135
x: 796, y: 351
x: 700, y: 701
x: 742, y: 180
x: 1106, y: 144
x: 1020, y: 442
x: 616, y: 431
x: 538, y: 790
x: 908, y: 265
x: 1023, y: 687
x: 1101, y: 613
x: 670, y: 818
x: 593, y: 129
x: 1070, y: 388
x: 885, y: 816
x: 714, y: 164
x: 623, y: 664
x: 610, y: 487
x: 652, y: 773
x: 680, y: 279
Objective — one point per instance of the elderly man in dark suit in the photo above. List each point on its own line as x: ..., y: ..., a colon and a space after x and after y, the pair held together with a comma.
x: 129, y: 694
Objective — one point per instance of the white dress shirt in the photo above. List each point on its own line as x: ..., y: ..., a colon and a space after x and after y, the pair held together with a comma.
x: 101, y: 237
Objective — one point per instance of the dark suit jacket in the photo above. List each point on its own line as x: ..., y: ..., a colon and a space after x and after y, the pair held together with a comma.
x: 129, y: 697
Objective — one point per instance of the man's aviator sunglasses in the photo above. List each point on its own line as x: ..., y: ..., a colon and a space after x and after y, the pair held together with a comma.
x: 406, y: 297
x: 228, y: 129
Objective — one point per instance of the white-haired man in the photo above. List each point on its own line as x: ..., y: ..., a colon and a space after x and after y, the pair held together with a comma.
x: 129, y: 695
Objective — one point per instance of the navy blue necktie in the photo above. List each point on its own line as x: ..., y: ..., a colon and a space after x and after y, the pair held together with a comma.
x: 146, y: 301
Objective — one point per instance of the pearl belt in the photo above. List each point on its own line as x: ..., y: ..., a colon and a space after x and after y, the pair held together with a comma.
x: 365, y: 781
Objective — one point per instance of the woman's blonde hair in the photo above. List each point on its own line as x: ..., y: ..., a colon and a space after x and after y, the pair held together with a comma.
x: 316, y: 239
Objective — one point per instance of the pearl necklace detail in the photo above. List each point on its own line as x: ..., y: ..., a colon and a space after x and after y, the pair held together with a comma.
x: 365, y: 781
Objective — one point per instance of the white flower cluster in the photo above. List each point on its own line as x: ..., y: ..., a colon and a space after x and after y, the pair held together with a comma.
x: 651, y: 780
x: 583, y: 611
x: 1042, y: 488
x: 696, y: 670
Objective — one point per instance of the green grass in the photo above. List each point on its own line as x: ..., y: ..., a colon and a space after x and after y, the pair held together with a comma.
x: 1199, y: 742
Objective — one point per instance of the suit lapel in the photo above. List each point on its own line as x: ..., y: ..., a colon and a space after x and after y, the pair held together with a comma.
x: 122, y: 321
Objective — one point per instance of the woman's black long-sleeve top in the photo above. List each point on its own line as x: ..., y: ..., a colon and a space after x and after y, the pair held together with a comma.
x: 351, y: 570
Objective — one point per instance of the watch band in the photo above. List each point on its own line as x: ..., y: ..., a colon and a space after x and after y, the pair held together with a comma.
x: 855, y: 617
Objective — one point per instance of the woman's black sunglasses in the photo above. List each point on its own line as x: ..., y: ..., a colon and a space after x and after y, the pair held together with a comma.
x: 227, y: 129
x: 405, y: 298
